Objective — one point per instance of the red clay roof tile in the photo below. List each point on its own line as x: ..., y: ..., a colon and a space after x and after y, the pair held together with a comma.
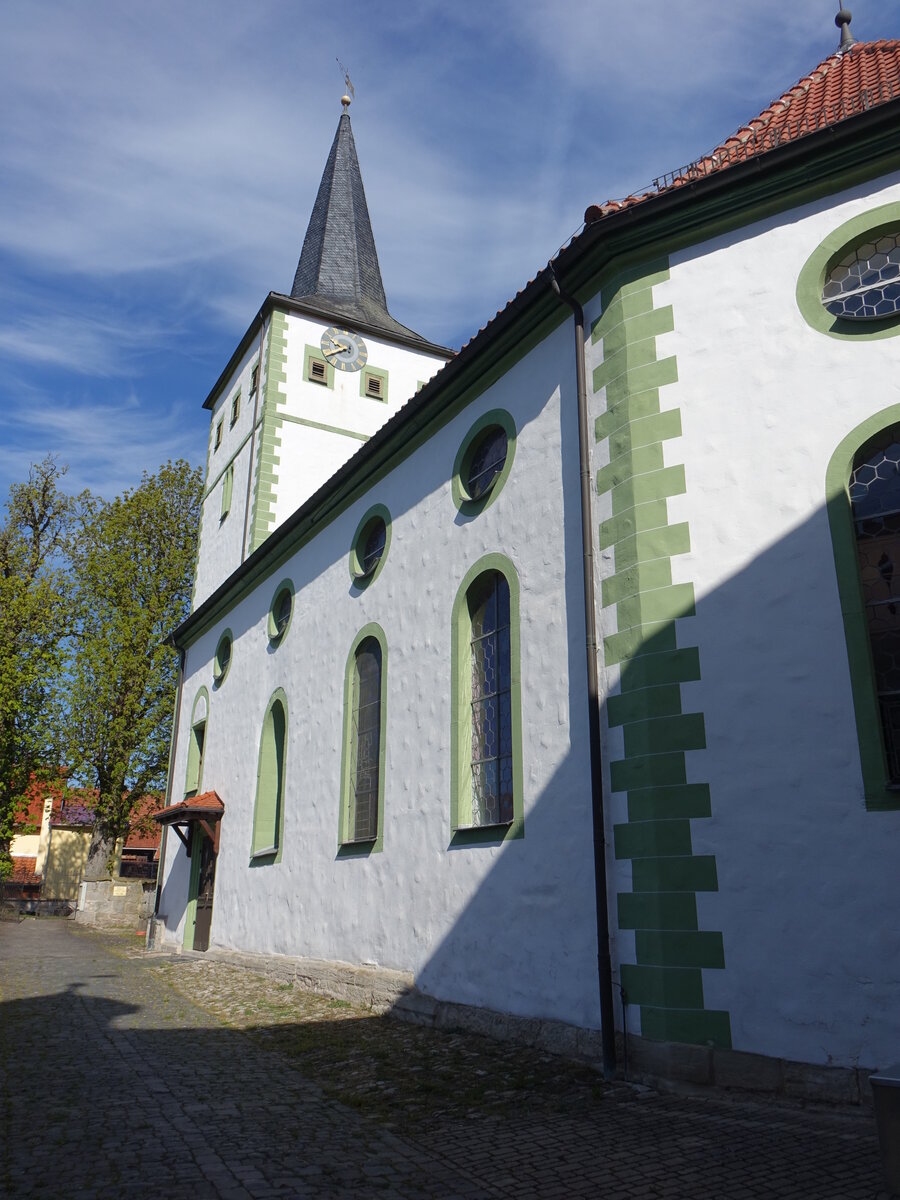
x: 207, y: 801
x: 23, y: 871
x: 841, y: 86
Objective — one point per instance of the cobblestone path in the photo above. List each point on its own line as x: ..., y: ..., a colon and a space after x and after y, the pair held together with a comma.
x: 112, y: 1082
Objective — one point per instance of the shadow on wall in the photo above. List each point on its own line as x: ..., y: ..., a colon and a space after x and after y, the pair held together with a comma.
x: 739, y: 829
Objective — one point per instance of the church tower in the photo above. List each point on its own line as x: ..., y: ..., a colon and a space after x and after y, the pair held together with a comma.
x: 317, y: 373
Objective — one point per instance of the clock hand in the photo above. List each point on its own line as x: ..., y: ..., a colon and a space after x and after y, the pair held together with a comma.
x: 336, y: 350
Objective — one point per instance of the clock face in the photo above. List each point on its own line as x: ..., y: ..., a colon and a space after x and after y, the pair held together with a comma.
x: 345, y: 351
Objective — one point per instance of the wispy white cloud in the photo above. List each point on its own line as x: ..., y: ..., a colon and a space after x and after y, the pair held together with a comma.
x: 160, y: 164
x: 106, y: 446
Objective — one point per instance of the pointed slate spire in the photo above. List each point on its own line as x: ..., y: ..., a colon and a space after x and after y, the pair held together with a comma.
x: 338, y: 267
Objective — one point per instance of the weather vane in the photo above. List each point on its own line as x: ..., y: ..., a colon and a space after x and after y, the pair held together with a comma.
x: 351, y: 93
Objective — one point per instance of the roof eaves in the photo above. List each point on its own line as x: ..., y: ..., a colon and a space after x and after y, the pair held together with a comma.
x: 575, y: 265
x: 313, y: 308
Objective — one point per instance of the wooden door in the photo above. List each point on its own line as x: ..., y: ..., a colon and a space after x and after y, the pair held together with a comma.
x: 205, y: 884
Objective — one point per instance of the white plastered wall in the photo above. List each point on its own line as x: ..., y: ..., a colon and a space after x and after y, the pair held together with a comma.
x: 808, y: 879
x: 510, y: 927
x: 221, y: 539
x: 311, y: 453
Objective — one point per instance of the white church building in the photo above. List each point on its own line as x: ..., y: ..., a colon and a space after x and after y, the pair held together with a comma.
x: 559, y: 678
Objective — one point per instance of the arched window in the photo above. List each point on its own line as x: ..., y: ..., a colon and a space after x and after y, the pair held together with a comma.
x: 875, y: 500
x: 268, y: 813
x: 863, y: 489
x: 487, y: 740
x: 196, y: 739
x: 362, y: 786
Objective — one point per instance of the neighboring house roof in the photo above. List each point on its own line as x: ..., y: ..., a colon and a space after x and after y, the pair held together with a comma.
x: 339, y: 263
x: 863, y: 76
x: 23, y: 872
x: 207, y: 804
x: 80, y: 815
x: 72, y: 814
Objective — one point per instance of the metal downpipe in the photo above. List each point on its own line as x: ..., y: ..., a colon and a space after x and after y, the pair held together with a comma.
x: 604, y: 961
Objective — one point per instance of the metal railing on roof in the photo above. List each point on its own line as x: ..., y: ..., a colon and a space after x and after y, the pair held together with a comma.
x: 752, y: 142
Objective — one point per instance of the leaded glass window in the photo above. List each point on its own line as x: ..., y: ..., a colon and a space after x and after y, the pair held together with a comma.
x: 492, y: 765
x: 486, y: 462
x: 875, y: 498
x: 866, y: 284
x: 365, y: 742
x: 372, y: 547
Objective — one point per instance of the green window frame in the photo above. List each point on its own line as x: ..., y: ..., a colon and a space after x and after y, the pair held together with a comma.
x: 867, y: 227
x: 268, y: 808
x: 879, y: 794
x: 373, y: 384
x: 466, y: 504
x: 223, y: 656
x: 361, y: 577
x: 364, y: 742
x: 235, y: 409
x: 227, y: 490
x: 466, y: 667
x: 321, y: 377
x: 193, y: 775
x: 282, y: 603
x: 217, y: 441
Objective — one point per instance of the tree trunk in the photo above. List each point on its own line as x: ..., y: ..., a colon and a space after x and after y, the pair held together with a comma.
x: 99, y: 857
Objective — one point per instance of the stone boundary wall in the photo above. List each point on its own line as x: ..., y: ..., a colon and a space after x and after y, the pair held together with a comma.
x: 664, y: 1065
x: 115, y: 903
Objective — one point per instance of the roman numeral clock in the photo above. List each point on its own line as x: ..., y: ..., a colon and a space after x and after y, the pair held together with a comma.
x: 345, y: 351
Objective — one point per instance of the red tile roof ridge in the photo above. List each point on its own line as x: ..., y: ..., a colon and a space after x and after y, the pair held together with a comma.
x: 840, y: 86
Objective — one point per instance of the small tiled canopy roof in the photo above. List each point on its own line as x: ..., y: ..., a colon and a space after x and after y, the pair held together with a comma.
x: 863, y: 76
x: 207, y: 806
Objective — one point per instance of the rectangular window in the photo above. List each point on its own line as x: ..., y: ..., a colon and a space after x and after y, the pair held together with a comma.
x: 227, y: 488
x: 374, y: 384
x: 218, y: 439
x: 254, y: 379
x: 235, y: 409
x: 318, y: 370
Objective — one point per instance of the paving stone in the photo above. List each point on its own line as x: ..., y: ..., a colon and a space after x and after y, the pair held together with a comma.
x: 111, y: 1082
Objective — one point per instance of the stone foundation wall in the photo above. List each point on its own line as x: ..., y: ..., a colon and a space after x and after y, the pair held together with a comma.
x: 663, y: 1065
x: 115, y: 903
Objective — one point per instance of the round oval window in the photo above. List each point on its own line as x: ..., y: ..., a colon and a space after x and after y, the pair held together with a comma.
x: 371, y: 546
x: 281, y: 611
x: 865, y: 284
x: 223, y: 658
x: 485, y: 461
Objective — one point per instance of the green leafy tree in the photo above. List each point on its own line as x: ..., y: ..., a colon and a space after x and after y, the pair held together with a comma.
x: 36, y: 539
x: 132, y: 573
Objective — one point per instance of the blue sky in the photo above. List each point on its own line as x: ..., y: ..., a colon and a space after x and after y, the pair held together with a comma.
x: 161, y: 161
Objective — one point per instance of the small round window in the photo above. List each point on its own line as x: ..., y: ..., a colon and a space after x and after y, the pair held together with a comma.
x: 372, y: 547
x: 865, y: 284
x: 222, y: 660
x: 483, y: 462
x: 280, y: 612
